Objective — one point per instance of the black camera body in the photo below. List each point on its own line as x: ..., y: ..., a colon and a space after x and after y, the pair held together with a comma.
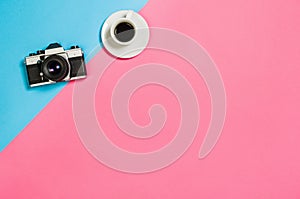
x: 54, y: 64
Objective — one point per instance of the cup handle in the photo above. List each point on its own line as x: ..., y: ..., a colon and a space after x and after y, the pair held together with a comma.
x: 129, y: 14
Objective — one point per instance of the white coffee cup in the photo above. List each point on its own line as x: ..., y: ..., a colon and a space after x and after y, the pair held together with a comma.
x: 127, y: 28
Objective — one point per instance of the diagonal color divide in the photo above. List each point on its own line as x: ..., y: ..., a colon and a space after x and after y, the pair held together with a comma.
x: 27, y: 27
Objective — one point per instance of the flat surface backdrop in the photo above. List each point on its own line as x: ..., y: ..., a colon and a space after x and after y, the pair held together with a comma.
x: 256, y: 46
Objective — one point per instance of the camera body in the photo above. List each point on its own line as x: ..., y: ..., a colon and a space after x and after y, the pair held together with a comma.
x: 54, y: 64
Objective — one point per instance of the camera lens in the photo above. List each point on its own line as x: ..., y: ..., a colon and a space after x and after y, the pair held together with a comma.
x: 55, y: 68
x: 124, y: 32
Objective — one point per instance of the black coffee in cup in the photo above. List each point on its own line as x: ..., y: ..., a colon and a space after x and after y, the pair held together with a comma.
x: 124, y: 32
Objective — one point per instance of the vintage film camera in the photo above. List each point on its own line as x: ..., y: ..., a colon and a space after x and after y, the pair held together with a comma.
x: 54, y: 64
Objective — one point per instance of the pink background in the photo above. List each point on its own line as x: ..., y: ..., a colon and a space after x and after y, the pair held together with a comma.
x: 256, y: 46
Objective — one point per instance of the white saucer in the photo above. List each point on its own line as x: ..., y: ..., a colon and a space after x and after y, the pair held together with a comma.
x: 140, y: 40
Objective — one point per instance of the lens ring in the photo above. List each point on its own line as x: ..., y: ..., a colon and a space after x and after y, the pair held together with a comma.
x: 55, y: 68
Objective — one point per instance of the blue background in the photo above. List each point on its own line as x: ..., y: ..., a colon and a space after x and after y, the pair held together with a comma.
x: 27, y: 26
